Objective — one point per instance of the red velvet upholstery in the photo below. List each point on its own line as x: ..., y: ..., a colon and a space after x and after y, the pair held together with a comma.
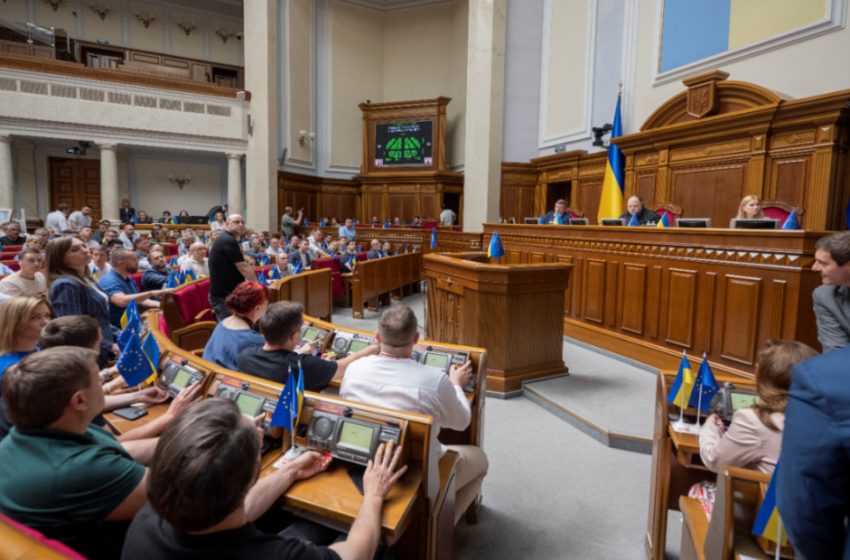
x: 671, y: 217
x: 172, y: 249
x: 776, y: 214
x: 336, y: 279
x: 137, y: 278
x: 14, y: 265
x: 263, y: 269
x: 9, y: 253
x: 163, y: 327
x: 204, y: 293
x: 187, y: 302
x: 429, y: 225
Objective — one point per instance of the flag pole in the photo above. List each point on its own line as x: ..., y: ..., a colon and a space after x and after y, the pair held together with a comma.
x: 778, y: 538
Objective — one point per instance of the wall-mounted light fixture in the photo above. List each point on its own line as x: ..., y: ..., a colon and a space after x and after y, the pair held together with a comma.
x: 304, y: 136
x: 100, y: 9
x: 186, y: 26
x: 180, y: 182
x: 146, y: 18
x: 224, y: 34
x: 52, y: 3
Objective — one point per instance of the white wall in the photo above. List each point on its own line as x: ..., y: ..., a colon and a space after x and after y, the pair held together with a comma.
x: 151, y: 191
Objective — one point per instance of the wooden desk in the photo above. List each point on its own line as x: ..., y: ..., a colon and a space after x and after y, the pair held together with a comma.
x: 649, y: 293
x: 122, y: 425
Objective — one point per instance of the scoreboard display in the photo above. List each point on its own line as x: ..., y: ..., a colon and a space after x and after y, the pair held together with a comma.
x: 403, y: 144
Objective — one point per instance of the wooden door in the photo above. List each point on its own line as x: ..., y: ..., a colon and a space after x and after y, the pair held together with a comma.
x: 76, y: 182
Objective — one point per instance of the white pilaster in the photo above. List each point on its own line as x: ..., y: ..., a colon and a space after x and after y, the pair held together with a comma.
x: 110, y: 200
x: 485, y: 85
x: 123, y: 176
x: 25, y: 178
x: 234, y: 184
x: 7, y: 176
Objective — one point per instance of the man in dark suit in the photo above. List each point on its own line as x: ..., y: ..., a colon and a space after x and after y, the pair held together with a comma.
x: 644, y: 215
x: 814, y: 474
x: 560, y: 210
x: 375, y: 251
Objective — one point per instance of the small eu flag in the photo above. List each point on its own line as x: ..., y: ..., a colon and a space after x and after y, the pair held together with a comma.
x: 791, y: 222
x: 634, y: 221
x: 133, y: 365
x: 306, y: 223
x: 322, y: 222
x: 172, y: 281
x: 282, y: 415
x: 433, y: 238
x: 274, y: 273
x: 705, y: 388
x: 297, y: 268
x: 261, y: 278
x: 495, y: 250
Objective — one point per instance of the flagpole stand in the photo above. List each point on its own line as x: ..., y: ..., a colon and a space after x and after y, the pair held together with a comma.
x: 293, y: 453
x: 684, y: 428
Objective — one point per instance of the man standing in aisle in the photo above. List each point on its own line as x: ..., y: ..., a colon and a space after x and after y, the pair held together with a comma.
x: 447, y: 217
x: 58, y: 221
x: 81, y: 218
x: 227, y: 265
x: 288, y: 223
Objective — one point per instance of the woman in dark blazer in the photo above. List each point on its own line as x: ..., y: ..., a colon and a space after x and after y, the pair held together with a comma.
x: 127, y: 212
x: 73, y: 291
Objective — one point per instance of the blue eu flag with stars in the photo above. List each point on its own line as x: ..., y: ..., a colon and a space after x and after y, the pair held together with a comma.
x: 133, y: 365
x: 283, y: 412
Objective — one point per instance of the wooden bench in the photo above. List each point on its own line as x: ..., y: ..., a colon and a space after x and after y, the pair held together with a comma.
x: 313, y: 289
x: 394, y: 275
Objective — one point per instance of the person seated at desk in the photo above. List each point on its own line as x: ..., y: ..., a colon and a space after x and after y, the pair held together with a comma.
x: 200, y: 235
x: 301, y: 256
x: 102, y: 227
x: 21, y: 321
x: 345, y: 262
x: 205, y: 494
x: 392, y: 380
x: 144, y: 218
x: 417, y: 222
x: 231, y: 336
x: 750, y: 209
x: 185, y: 243
x: 197, y: 260
x: 645, y: 216
x: 156, y: 277
x: 294, y: 244
x: 754, y: 437
x: 375, y: 221
x: 283, y: 267
x: 142, y: 246
x: 274, y: 246
x: 316, y: 240
x: 27, y: 281
x: 13, y: 236
x: 60, y: 474
x: 281, y: 326
x: 560, y: 210
x: 122, y: 289
x: 347, y: 231
x: 99, y: 264
x: 832, y: 299
x: 375, y: 251
x: 127, y: 236
x: 385, y: 250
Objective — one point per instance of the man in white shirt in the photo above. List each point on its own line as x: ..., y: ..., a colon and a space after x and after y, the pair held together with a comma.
x: 58, y: 221
x: 315, y: 249
x: 81, y: 218
x: 197, y: 260
x: 142, y: 246
x: 447, y: 217
x: 99, y: 264
x: 393, y: 380
x: 274, y: 246
x: 283, y: 267
x: 85, y: 235
x: 127, y: 236
x: 28, y: 281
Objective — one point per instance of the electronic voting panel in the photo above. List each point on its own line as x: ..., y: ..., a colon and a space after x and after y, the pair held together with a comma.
x: 250, y: 402
x: 334, y: 429
x: 442, y: 359
x: 346, y: 342
x: 178, y: 374
x: 311, y: 331
x: 730, y: 399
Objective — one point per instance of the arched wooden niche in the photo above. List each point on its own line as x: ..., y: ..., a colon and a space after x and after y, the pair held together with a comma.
x: 708, y: 147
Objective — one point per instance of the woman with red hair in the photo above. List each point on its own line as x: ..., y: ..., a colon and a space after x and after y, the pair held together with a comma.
x: 247, y: 303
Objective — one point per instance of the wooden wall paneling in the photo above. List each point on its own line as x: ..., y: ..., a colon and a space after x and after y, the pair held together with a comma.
x: 706, y: 324
x: 756, y: 166
x: 377, y: 208
x: 594, y: 291
x: 510, y: 195
x: 526, y: 205
x: 777, y: 310
x: 590, y: 194
x: 514, y: 257
x: 633, y: 304
x: 536, y: 257
x: 428, y: 210
x: 698, y: 190
x: 654, y: 301
x: 646, y: 188
x: 789, y: 179
x: 396, y: 207
x: 569, y: 294
x: 611, y: 292
x: 740, y: 319
x: 576, y: 283
x: 681, y: 307
x: 408, y: 208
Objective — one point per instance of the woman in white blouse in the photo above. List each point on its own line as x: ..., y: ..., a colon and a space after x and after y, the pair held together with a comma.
x: 218, y: 222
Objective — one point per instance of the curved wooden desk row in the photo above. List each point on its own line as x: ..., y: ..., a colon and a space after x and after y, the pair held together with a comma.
x: 676, y: 466
x: 393, y: 275
x: 418, y: 514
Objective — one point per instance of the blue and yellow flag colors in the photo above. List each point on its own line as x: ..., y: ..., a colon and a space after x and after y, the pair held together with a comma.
x: 500, y: 218
x: 261, y: 278
x: 405, y: 250
x: 174, y: 221
x: 433, y: 238
x: 133, y: 365
x: 124, y: 336
x: 540, y: 221
x: 768, y: 524
x: 274, y: 273
x: 415, y: 248
x: 209, y: 220
x: 387, y: 224
x: 791, y: 221
x: 190, y: 274
x: 359, y: 249
x: 353, y: 260
x: 495, y: 250
x: 403, y: 223
x: 322, y: 222
x: 172, y: 281
x: 297, y: 268
x: 705, y: 388
x: 396, y: 253
x: 93, y: 274
x: 663, y: 222
x: 633, y: 221
x: 286, y: 249
x: 299, y: 394
x: 611, y: 202
x: 680, y: 392
x: 151, y: 350
x: 134, y: 220
x: 283, y: 413
x: 130, y: 312
x: 306, y: 222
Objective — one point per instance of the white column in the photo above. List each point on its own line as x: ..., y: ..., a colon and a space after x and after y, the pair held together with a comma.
x: 234, y: 183
x: 25, y: 177
x: 485, y: 85
x: 261, y: 80
x: 7, y: 177
x: 123, y: 176
x: 110, y: 200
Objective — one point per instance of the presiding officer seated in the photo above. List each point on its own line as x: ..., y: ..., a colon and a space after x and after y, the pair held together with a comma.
x: 59, y: 473
x: 392, y: 380
x: 205, y: 495
x: 560, y: 210
x: 281, y: 326
x: 644, y: 215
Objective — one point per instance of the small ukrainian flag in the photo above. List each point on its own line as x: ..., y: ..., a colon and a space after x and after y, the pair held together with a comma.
x: 663, y: 222
x: 680, y: 392
x: 768, y: 524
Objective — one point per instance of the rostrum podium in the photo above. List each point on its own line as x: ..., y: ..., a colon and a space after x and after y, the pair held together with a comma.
x: 514, y: 311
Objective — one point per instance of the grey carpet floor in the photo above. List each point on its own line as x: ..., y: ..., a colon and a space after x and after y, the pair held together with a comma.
x: 552, y: 491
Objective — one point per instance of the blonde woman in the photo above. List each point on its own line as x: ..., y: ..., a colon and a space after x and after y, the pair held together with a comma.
x: 21, y: 321
x: 218, y: 222
x: 127, y: 212
x: 750, y: 208
x: 73, y: 291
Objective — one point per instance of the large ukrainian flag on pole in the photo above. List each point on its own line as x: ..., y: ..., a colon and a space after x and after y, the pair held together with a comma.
x: 611, y: 203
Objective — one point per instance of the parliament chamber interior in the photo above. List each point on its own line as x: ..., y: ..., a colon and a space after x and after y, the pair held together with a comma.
x: 278, y: 312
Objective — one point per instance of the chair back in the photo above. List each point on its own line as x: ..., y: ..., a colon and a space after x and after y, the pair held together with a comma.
x: 137, y: 278
x: 779, y: 210
x: 187, y: 304
x: 172, y: 248
x: 670, y: 210
x: 336, y: 279
x: 575, y: 213
x: 12, y: 264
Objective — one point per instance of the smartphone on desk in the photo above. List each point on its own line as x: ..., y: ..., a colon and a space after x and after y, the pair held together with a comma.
x: 130, y: 413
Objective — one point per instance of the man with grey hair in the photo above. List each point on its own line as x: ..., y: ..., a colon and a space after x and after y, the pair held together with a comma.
x: 832, y: 299
x: 197, y: 260
x: 13, y: 235
x: 393, y: 380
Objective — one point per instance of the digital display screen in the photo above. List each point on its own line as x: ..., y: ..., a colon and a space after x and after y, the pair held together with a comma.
x: 355, y: 435
x: 181, y: 379
x: 357, y: 345
x: 403, y: 143
x: 310, y: 334
x: 743, y: 400
x: 436, y: 360
x: 248, y: 404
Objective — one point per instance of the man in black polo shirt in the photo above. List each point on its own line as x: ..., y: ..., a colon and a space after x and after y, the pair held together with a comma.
x: 227, y: 265
x: 205, y: 496
x: 644, y: 215
x: 281, y: 326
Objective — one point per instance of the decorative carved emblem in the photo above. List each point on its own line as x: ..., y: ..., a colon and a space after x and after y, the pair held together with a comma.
x: 702, y: 100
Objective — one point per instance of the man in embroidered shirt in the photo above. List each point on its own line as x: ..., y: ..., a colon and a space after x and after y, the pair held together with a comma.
x: 393, y: 380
